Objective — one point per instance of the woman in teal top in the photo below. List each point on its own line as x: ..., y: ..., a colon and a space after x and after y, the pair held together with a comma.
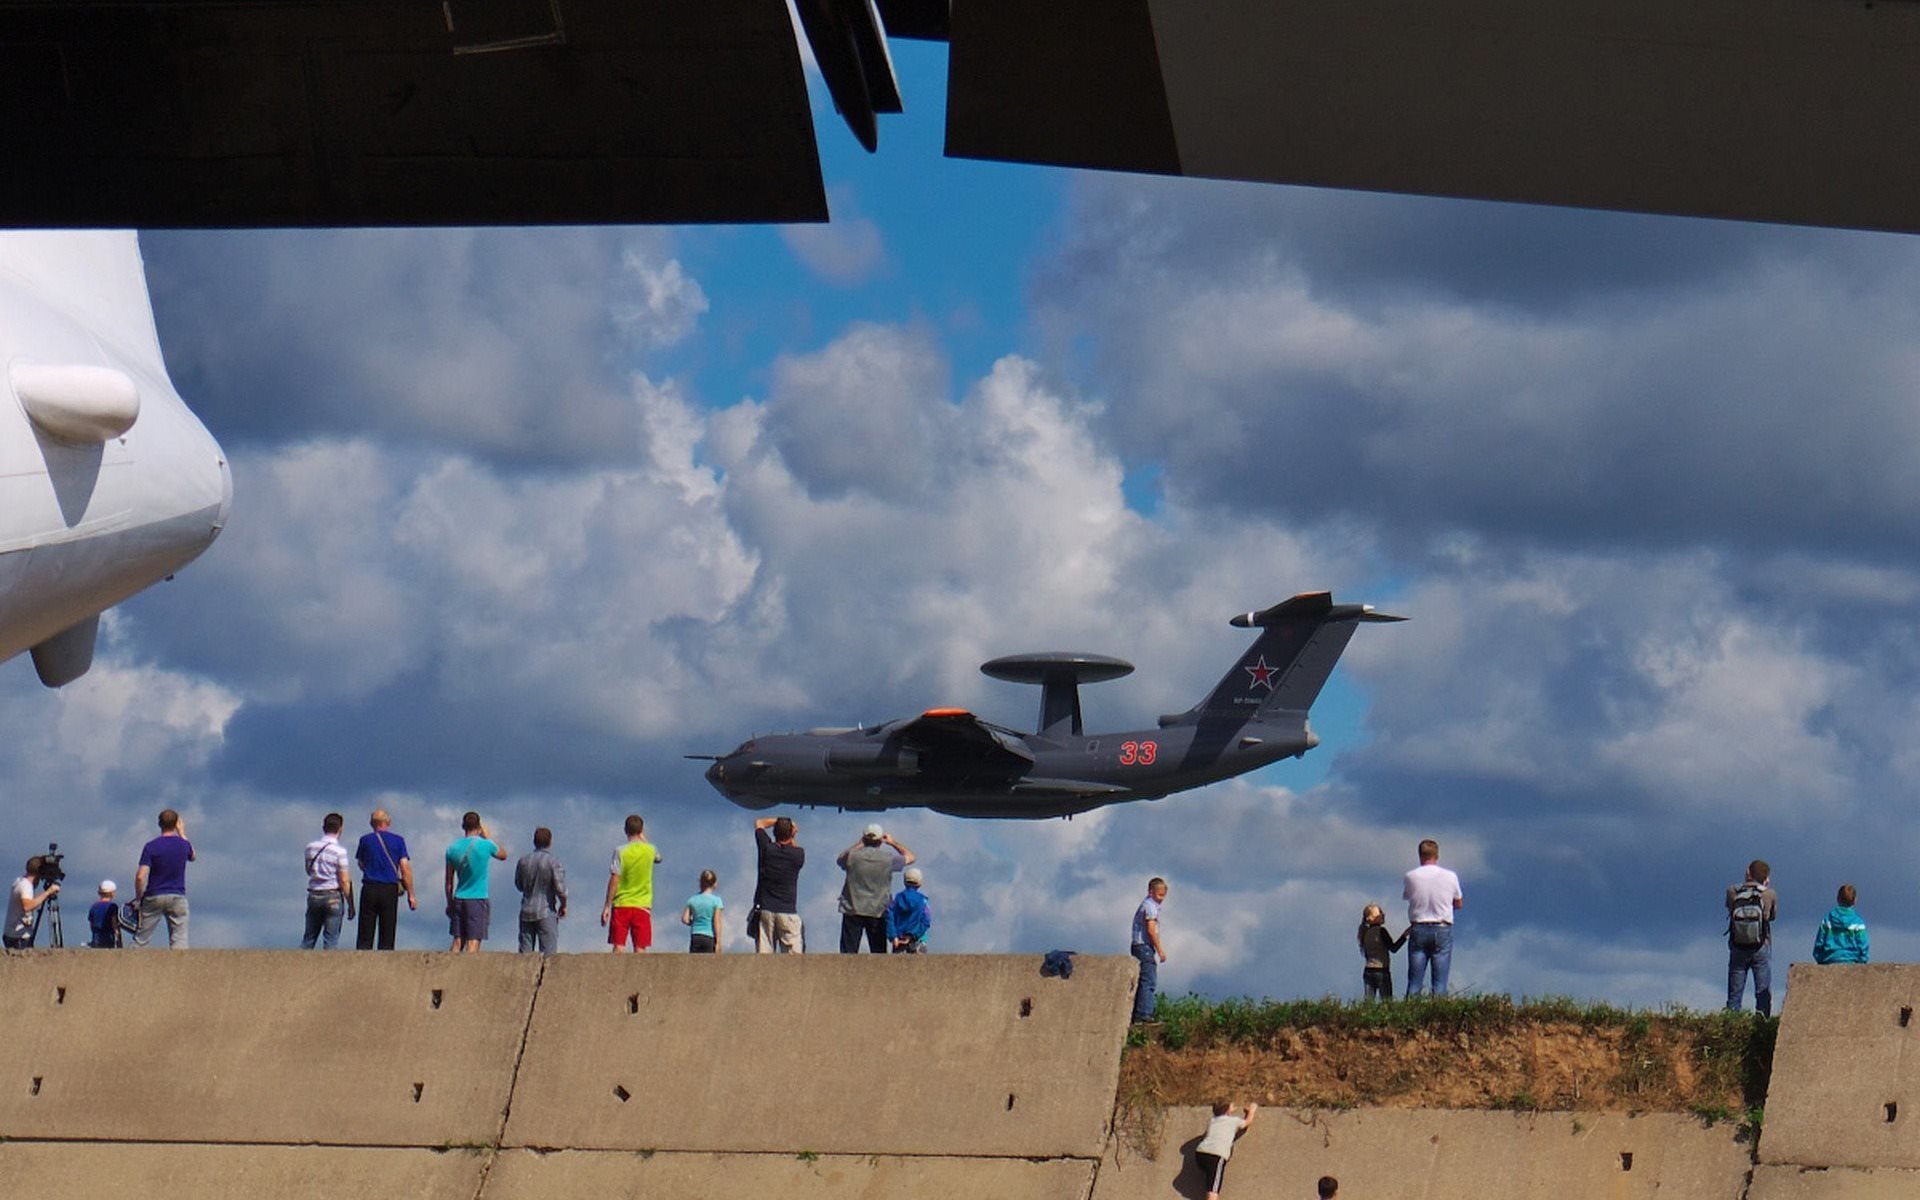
x: 702, y: 916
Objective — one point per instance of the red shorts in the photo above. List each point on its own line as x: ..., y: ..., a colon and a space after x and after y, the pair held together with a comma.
x: 634, y: 922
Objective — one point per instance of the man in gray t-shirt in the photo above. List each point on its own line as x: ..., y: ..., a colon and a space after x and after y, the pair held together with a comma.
x: 870, y: 864
x: 542, y: 881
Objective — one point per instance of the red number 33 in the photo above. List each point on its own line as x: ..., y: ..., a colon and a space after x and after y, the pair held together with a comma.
x: 1139, y: 754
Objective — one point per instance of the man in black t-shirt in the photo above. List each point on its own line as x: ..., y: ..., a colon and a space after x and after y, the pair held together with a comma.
x: 776, y: 894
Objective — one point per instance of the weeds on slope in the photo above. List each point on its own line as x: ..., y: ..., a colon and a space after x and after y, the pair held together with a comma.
x: 1729, y: 1053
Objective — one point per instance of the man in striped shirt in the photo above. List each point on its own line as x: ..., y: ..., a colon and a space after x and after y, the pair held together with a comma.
x: 329, y: 885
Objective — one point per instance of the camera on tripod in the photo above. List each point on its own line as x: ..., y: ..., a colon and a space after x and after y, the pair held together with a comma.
x: 50, y: 869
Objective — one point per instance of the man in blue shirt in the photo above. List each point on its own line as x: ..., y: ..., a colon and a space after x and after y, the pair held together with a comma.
x: 160, y: 885
x: 385, y: 872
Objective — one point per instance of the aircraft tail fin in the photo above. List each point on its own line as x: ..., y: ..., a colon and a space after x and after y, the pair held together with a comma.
x: 1286, y: 666
x: 95, y: 277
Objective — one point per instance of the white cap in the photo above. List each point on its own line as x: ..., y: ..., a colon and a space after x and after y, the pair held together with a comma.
x: 913, y: 876
x: 874, y: 831
x: 106, y: 885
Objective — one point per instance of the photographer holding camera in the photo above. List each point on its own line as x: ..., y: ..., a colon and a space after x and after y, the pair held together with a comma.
x: 23, y: 899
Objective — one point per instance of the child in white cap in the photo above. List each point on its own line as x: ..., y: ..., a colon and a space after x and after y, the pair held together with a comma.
x: 104, y: 919
x: 908, y: 919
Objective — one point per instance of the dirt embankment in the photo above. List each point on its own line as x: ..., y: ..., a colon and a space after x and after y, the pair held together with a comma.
x: 1638, y: 1064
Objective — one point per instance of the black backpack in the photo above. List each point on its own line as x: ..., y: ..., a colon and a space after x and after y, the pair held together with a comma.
x: 1747, y: 916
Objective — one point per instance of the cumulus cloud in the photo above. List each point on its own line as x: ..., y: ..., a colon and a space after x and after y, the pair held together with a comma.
x: 1646, y: 381
x: 506, y: 343
x: 845, y: 252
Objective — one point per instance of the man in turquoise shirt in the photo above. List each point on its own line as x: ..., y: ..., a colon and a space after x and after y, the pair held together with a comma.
x: 468, y: 910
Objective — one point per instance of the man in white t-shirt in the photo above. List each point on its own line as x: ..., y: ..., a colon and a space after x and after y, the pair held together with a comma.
x: 21, y: 902
x: 1433, y: 895
x: 329, y: 885
x: 1216, y: 1145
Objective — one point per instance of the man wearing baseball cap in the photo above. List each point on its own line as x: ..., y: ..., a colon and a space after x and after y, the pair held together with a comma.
x: 870, y: 864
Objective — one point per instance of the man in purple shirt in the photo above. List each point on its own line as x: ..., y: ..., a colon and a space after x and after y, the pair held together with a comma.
x: 160, y: 885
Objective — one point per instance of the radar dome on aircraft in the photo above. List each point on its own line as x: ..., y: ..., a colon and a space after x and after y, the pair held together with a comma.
x: 1059, y: 675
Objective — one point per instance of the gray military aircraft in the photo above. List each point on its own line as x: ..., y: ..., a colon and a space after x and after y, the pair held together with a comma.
x: 953, y: 762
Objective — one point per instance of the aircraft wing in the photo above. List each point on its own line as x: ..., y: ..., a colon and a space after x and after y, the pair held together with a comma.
x: 1068, y: 787
x: 1714, y: 108
x: 404, y: 112
x: 954, y: 739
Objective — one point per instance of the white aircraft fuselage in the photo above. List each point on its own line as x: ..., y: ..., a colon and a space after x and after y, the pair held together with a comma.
x: 108, y: 482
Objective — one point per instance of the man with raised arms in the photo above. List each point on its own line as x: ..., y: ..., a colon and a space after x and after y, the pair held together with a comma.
x: 469, y: 912
x: 776, y: 891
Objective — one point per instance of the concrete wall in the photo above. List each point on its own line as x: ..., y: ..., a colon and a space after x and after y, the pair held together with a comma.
x: 1846, y: 1073
x: 615, y: 1175
x: 237, y: 1074
x: 96, y: 1170
x: 1836, y: 1183
x: 1434, y: 1155
x: 267, y: 1047
x: 243, y: 1074
x: 851, y: 1054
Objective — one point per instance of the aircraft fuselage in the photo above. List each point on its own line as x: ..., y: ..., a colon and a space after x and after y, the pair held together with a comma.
x: 90, y: 511
x: 871, y: 769
x: 951, y: 761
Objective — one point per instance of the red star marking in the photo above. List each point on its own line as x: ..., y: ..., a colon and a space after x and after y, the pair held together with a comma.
x: 1262, y: 673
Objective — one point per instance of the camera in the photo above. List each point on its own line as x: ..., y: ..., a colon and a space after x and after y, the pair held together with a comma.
x: 50, y: 869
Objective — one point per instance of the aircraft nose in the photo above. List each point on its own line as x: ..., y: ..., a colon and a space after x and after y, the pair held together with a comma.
x: 717, y: 775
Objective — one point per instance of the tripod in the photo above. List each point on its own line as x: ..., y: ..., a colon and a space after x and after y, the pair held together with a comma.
x: 49, y: 909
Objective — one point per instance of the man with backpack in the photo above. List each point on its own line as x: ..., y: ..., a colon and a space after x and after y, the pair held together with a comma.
x: 1750, y: 913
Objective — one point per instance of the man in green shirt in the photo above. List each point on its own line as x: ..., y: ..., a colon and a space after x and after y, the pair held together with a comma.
x: 628, y: 913
x: 468, y: 910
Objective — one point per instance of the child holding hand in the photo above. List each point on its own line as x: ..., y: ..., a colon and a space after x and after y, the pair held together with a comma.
x: 1377, y: 946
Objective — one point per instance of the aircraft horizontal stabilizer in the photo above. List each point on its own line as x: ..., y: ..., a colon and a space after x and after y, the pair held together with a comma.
x: 1309, y: 606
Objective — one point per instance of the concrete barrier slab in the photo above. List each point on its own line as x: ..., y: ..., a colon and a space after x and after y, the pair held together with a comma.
x: 621, y: 1175
x: 91, y: 1170
x: 1439, y: 1155
x: 930, y: 1054
x: 1833, y: 1183
x: 1845, y: 1089
x: 261, y: 1046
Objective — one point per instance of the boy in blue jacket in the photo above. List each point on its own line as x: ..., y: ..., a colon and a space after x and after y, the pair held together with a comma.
x: 907, y: 917
x: 1842, y: 937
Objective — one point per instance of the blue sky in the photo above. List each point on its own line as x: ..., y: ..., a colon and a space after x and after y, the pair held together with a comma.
x: 524, y: 516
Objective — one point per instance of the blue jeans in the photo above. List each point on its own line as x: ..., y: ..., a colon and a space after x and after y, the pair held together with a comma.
x: 1429, y: 944
x: 1149, y: 983
x: 540, y: 933
x: 324, y: 913
x: 1759, y: 960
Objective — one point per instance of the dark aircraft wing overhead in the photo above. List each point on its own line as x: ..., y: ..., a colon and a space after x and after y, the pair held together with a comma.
x: 1787, y: 110
x: 403, y: 112
x: 954, y: 737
